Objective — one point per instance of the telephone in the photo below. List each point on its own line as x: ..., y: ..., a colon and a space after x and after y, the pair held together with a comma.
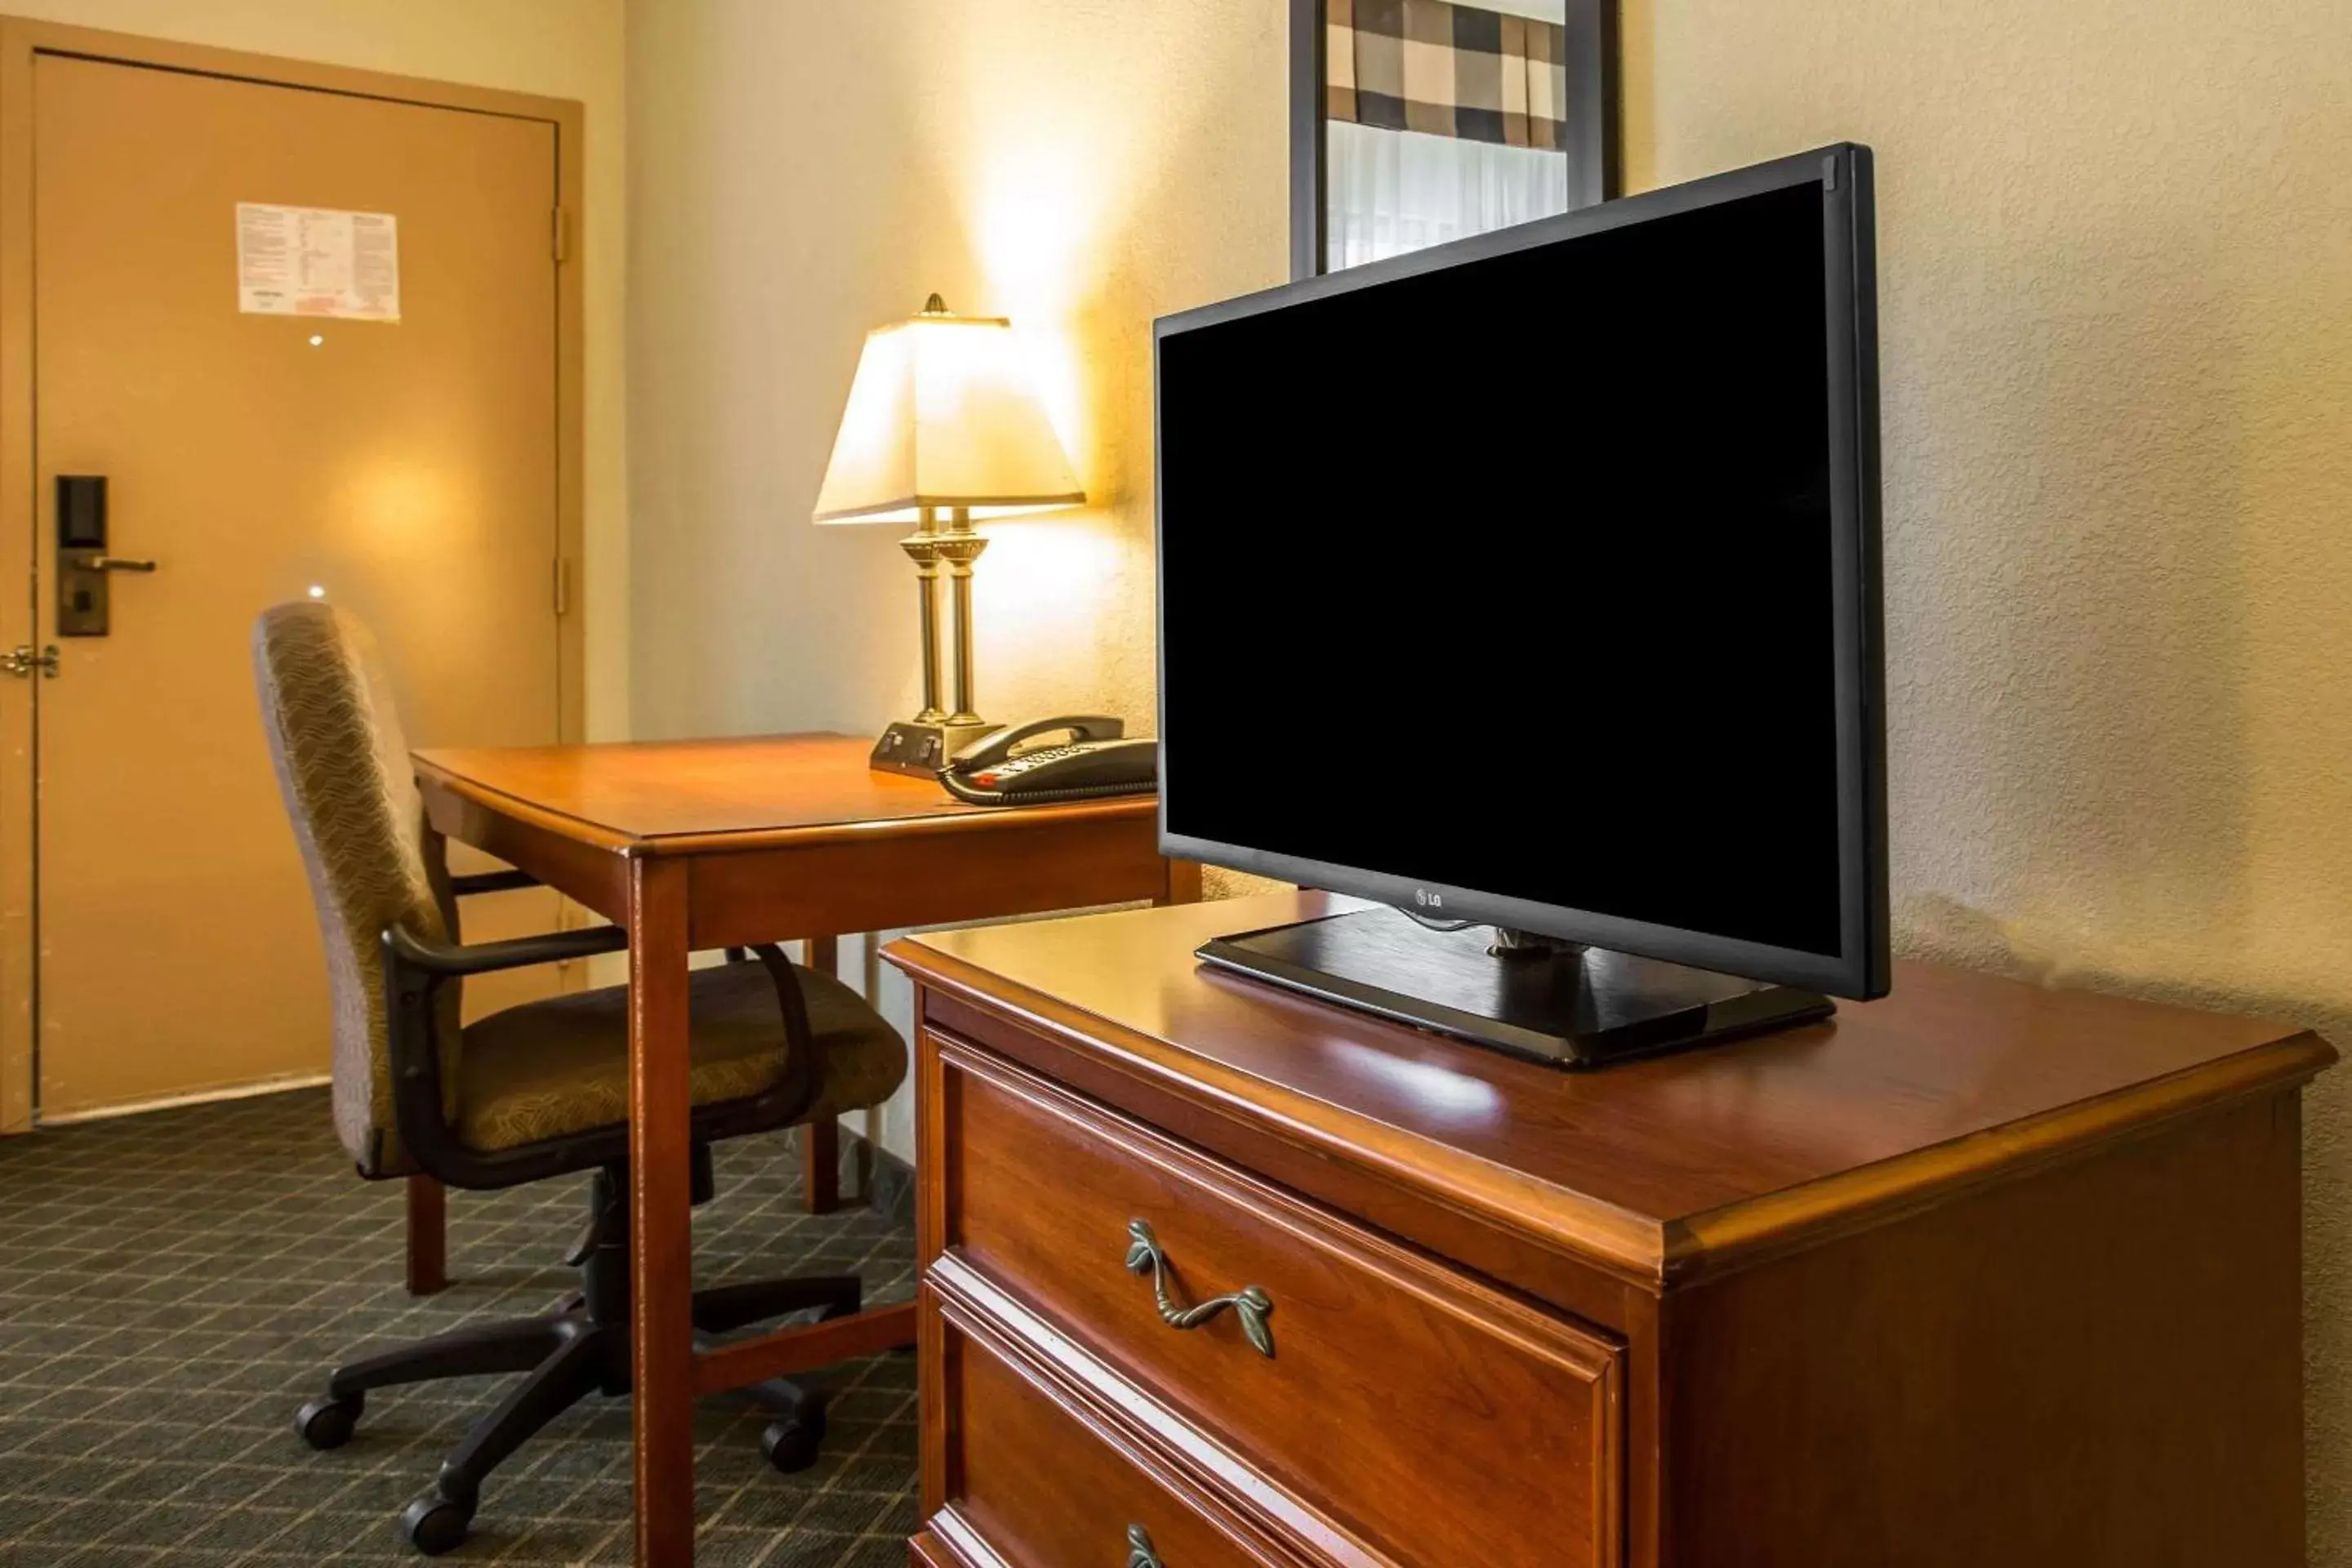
x: 1096, y: 761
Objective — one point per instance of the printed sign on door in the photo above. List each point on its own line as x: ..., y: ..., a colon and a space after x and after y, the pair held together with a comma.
x: 317, y: 261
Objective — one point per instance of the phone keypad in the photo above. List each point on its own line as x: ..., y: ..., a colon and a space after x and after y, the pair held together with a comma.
x: 1016, y: 766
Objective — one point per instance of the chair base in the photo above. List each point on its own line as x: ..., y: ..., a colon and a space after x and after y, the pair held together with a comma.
x: 580, y: 1348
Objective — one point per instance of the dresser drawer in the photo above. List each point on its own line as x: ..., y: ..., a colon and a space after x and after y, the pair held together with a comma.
x: 1410, y: 1403
x: 1032, y: 1478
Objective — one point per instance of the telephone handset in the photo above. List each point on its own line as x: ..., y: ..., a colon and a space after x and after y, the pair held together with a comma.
x: 1096, y: 761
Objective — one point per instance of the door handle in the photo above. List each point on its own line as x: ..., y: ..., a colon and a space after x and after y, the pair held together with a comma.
x: 21, y: 662
x: 84, y: 595
x: 83, y: 565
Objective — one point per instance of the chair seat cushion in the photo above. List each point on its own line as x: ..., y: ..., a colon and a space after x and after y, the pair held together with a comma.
x: 548, y: 1068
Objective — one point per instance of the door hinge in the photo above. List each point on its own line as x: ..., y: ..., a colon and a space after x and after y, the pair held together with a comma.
x: 563, y: 587
x: 563, y: 235
x: 21, y: 662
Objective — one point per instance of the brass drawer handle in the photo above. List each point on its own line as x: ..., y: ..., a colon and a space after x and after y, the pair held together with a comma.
x: 1250, y: 1304
x: 1139, y: 1549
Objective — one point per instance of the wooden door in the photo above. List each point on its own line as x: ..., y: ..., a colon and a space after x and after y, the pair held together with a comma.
x: 407, y: 469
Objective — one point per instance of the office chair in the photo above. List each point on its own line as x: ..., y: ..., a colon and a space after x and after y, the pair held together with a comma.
x: 535, y: 1091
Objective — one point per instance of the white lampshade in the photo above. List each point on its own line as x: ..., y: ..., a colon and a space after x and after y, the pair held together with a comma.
x: 941, y: 415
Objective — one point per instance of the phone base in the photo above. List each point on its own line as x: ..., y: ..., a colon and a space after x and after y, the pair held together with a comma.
x: 1570, y: 1007
x: 920, y: 749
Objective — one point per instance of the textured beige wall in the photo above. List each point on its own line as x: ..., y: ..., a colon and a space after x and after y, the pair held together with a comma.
x: 803, y: 172
x: 560, y: 49
x: 2115, y: 263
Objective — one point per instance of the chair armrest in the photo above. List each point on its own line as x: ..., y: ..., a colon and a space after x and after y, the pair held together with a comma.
x: 491, y: 882
x: 442, y: 960
x: 414, y: 973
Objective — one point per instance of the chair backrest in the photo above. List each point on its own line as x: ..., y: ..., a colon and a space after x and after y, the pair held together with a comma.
x: 343, y: 768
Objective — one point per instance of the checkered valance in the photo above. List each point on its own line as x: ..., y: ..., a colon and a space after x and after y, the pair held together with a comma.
x: 1447, y: 69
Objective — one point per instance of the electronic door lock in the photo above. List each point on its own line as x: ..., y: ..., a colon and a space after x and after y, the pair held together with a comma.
x: 83, y: 564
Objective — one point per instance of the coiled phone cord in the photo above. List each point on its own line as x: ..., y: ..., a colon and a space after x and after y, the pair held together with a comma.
x: 951, y: 781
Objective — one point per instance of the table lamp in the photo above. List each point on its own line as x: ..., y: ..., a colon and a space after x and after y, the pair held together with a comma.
x: 941, y: 418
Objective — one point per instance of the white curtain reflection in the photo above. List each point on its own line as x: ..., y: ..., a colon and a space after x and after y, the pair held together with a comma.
x: 1394, y: 191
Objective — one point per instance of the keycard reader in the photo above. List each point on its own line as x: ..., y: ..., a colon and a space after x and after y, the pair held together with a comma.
x: 83, y: 564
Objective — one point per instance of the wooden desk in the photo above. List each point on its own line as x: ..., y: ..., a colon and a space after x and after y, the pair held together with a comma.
x: 1979, y: 1273
x: 707, y: 844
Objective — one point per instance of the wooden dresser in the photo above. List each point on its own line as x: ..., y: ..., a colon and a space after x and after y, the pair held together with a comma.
x: 1979, y: 1274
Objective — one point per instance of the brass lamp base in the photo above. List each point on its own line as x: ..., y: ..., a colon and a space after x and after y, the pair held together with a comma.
x: 921, y: 748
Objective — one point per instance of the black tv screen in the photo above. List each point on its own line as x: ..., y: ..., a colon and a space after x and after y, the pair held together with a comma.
x: 1533, y: 579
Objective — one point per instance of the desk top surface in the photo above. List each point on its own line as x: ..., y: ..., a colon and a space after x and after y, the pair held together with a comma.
x: 647, y: 792
x: 1952, y: 1076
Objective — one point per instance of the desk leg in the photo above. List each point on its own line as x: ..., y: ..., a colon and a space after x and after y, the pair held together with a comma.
x: 1181, y: 882
x: 429, y: 1237
x: 661, y: 1244
x: 820, y: 1141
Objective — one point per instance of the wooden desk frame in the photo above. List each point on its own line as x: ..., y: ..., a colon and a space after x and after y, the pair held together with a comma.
x: 676, y: 893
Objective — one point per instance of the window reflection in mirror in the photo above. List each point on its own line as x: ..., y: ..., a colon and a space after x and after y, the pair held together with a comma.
x: 1441, y: 122
x: 1419, y: 121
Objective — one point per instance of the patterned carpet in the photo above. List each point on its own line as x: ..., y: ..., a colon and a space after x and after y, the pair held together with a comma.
x: 174, y: 1285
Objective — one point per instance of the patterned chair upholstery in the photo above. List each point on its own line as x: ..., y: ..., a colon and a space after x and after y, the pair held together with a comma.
x: 529, y: 1074
x: 343, y: 767
x: 533, y: 1091
x: 548, y: 1068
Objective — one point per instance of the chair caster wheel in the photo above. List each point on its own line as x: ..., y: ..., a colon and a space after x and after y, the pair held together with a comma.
x: 327, y: 1423
x: 792, y: 1443
x: 433, y: 1524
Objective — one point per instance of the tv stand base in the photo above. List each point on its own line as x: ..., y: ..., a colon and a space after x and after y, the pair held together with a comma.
x: 1573, y: 1006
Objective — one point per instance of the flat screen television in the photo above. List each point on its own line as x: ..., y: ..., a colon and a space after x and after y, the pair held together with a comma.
x: 1529, y: 586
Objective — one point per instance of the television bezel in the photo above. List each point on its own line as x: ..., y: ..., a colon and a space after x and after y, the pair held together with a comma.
x: 1861, y: 967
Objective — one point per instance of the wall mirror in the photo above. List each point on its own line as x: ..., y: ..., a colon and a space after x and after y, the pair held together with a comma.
x: 1417, y: 121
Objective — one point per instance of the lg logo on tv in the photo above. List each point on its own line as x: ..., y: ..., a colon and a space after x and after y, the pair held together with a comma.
x: 1428, y: 901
